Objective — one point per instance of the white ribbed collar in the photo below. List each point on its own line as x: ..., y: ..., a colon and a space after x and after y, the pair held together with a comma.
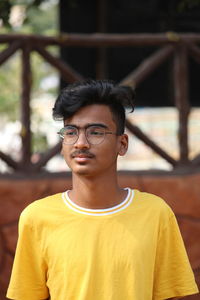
x: 99, y: 212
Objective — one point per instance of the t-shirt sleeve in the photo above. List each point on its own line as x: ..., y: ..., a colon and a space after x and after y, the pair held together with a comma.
x: 173, y: 274
x: 28, y: 278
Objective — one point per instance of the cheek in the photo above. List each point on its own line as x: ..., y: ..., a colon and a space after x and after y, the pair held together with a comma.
x: 65, y: 153
x: 110, y: 153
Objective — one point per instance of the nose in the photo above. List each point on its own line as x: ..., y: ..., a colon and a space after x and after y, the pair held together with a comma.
x: 82, y: 141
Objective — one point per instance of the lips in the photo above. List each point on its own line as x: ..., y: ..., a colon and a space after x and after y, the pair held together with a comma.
x: 82, y: 159
x: 81, y: 156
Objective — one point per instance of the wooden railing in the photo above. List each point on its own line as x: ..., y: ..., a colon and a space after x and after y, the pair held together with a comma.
x: 178, y: 46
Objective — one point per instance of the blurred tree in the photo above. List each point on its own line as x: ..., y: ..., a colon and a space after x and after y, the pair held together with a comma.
x: 5, y: 8
x: 36, y: 16
x: 7, y: 5
x: 43, y: 20
x: 41, y: 17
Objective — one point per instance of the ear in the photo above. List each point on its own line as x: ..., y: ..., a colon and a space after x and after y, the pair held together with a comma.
x: 123, y: 144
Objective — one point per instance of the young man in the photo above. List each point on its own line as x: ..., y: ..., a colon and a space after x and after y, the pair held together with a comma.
x: 98, y: 241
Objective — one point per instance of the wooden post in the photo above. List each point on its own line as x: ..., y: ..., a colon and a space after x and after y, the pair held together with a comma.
x: 25, y: 106
x: 101, y: 56
x: 181, y: 100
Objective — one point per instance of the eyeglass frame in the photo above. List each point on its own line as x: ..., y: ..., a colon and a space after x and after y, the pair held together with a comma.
x: 102, y: 126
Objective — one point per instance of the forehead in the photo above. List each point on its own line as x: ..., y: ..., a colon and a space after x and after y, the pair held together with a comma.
x: 95, y: 113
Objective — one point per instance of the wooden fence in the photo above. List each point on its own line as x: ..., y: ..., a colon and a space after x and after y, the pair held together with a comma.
x: 179, y: 47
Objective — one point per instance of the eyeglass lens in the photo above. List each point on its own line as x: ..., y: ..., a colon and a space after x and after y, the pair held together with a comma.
x: 94, y: 134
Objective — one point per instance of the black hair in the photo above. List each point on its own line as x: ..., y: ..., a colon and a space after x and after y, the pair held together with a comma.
x: 84, y: 93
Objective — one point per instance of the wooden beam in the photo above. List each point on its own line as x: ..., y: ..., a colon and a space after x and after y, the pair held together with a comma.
x: 107, y: 40
x: 180, y: 70
x: 145, y: 139
x: 10, y: 50
x: 147, y: 66
x: 195, y: 52
x: 196, y: 160
x: 67, y: 72
x: 9, y: 161
x: 47, y: 156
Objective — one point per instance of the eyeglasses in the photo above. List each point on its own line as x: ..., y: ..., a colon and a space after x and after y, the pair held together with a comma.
x: 95, y: 135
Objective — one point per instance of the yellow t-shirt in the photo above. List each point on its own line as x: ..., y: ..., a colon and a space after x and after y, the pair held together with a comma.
x: 133, y: 251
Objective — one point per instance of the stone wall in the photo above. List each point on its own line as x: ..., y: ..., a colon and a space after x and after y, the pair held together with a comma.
x: 182, y: 193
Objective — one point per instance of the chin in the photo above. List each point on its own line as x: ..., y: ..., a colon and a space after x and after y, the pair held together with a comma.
x: 81, y: 170
x: 86, y: 172
x: 90, y: 170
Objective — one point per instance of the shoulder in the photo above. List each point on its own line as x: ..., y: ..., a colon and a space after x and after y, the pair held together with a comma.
x: 153, y: 204
x: 151, y: 199
x: 154, y: 210
x: 39, y: 208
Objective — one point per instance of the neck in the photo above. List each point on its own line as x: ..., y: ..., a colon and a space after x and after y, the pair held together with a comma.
x: 96, y: 193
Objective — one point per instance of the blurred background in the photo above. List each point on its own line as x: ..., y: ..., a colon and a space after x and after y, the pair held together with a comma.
x: 151, y: 45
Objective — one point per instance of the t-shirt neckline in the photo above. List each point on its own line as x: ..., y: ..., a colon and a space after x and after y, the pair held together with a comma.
x: 99, y: 212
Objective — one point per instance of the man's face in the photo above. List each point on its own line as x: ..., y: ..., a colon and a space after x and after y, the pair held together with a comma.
x: 87, y: 159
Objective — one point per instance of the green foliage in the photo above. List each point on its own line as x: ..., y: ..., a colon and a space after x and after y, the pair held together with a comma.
x: 10, y: 89
x: 41, y: 21
x: 41, y: 16
x: 5, y: 8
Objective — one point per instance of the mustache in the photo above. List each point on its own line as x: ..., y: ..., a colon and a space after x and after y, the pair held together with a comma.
x: 82, y: 152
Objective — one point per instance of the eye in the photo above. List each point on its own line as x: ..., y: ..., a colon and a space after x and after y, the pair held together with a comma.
x: 70, y: 131
x: 96, y: 131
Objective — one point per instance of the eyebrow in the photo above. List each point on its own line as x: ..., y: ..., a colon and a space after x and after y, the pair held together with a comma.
x: 88, y: 125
